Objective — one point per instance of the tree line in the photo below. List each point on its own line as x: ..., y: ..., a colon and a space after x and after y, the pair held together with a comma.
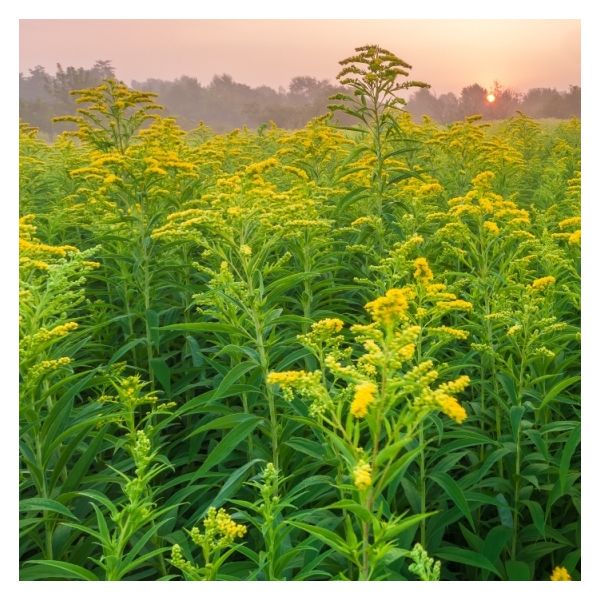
x: 224, y: 104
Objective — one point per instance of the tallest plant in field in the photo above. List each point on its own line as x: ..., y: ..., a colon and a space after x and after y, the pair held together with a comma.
x: 372, y: 77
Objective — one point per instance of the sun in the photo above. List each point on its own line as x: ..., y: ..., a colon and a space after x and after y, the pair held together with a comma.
x: 490, y: 98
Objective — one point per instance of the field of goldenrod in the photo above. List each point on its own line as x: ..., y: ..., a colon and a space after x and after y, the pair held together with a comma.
x: 331, y: 353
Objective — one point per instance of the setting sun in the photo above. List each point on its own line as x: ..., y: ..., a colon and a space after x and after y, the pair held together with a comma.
x: 490, y: 98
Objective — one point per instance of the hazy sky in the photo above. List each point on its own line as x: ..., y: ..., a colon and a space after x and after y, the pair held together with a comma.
x: 447, y: 54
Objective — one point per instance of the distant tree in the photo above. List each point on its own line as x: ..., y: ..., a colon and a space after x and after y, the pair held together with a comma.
x: 423, y: 102
x: 448, y: 107
x: 224, y: 104
x: 472, y: 100
x: 543, y: 102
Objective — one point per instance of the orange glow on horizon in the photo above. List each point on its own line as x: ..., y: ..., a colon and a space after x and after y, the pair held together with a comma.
x: 541, y: 52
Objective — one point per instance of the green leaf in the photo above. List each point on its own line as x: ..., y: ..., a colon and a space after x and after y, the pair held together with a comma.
x: 360, y: 511
x: 401, y: 525
x: 537, y: 515
x: 308, y: 447
x: 226, y: 446
x: 202, y: 328
x: 557, y: 389
x: 45, y: 504
x: 466, y: 557
x: 225, y: 422
x: 455, y: 493
x: 495, y: 541
x: 231, y: 377
x: 62, y: 570
x: 516, y: 414
x: 233, y: 483
x: 162, y: 372
x: 567, y: 455
x: 152, y: 320
x: 504, y: 511
x: 333, y: 540
x: 517, y: 570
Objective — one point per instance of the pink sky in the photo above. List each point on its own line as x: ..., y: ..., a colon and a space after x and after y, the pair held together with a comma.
x: 448, y: 54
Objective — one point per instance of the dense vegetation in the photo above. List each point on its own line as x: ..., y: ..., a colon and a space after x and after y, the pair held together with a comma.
x: 294, y: 355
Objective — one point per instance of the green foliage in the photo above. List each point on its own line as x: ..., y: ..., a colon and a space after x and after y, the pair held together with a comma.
x: 228, y: 357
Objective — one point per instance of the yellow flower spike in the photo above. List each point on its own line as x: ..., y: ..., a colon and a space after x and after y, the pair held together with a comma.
x: 542, y: 283
x: 455, y: 305
x: 570, y: 221
x: 459, y: 334
x: 364, y: 396
x: 327, y: 326
x: 491, y: 227
x: 575, y: 238
x: 362, y: 475
x: 389, y: 308
x: 560, y: 574
x: 422, y: 271
x: 450, y: 406
x: 286, y: 377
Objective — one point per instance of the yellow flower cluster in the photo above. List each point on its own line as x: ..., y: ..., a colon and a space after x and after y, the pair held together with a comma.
x: 307, y: 385
x: 459, y: 334
x: 560, y: 574
x: 362, y: 475
x: 422, y: 271
x: 542, y: 283
x: 60, y: 330
x: 220, y: 530
x: 286, y: 377
x: 454, y: 387
x: 327, y: 326
x: 491, y: 227
x: 575, y: 238
x: 368, y: 220
x: 455, y: 305
x: 261, y: 167
x: 569, y: 222
x: 364, y: 396
x: 418, y: 381
x: 390, y: 308
x: 32, y: 247
x: 450, y: 406
x: 45, y: 366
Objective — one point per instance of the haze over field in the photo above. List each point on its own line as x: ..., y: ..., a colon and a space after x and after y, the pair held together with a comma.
x: 449, y: 54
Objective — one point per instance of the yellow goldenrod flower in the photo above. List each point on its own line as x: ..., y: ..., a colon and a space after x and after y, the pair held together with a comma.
x: 286, y: 377
x: 245, y: 250
x: 543, y: 282
x: 459, y: 334
x: 560, y: 574
x: 327, y: 326
x: 570, y: 221
x: 455, y: 386
x: 491, y: 227
x: 514, y: 329
x: 455, y: 305
x: 389, y: 308
x: 362, y: 475
x: 575, y: 238
x: 422, y: 271
x: 450, y: 406
x: 364, y: 396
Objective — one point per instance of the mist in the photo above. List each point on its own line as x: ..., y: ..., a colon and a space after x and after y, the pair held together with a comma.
x: 224, y: 104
